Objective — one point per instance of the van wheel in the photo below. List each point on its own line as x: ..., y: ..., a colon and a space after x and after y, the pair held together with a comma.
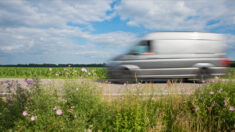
x: 127, y: 75
x: 203, y: 74
x: 185, y: 79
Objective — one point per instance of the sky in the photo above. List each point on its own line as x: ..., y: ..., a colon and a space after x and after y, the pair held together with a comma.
x: 95, y: 31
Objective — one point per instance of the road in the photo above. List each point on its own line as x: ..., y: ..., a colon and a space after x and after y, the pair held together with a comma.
x: 114, y: 89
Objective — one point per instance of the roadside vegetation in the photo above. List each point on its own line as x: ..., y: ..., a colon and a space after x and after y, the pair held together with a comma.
x: 81, y: 106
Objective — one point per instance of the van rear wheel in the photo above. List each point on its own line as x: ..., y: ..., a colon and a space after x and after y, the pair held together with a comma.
x: 204, y: 74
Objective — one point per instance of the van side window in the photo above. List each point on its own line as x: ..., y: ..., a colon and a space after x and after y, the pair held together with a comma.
x: 144, y: 48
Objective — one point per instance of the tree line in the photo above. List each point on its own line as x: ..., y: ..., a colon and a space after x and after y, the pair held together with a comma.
x: 54, y: 65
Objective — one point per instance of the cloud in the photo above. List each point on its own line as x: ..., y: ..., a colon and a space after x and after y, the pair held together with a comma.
x: 177, y: 14
x: 37, y: 32
x: 34, y: 45
x: 230, y: 40
x: 10, y: 48
x: 54, y: 13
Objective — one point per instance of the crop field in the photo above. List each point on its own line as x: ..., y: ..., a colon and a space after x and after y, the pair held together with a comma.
x: 60, y: 72
x: 55, y: 72
x: 80, y: 105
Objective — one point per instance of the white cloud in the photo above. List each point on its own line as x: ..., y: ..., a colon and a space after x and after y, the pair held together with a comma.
x: 230, y: 40
x: 54, y: 13
x: 37, y: 31
x: 10, y: 48
x: 176, y: 14
x: 56, y: 46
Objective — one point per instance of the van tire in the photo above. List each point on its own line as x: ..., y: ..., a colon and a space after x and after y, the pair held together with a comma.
x: 203, y: 74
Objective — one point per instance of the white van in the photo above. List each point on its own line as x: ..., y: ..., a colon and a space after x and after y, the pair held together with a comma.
x: 184, y: 55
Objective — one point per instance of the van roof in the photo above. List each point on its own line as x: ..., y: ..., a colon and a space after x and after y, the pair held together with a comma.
x: 183, y: 35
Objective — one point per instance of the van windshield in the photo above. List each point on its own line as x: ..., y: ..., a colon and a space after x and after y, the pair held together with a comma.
x: 142, y: 47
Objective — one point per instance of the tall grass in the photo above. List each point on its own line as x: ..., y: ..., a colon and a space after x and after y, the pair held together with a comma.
x: 80, y: 105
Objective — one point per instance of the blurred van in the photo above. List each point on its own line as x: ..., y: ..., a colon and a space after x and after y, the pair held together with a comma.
x: 182, y: 55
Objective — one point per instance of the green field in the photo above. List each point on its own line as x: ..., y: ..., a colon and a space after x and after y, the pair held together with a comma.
x: 55, y: 72
x: 61, y: 72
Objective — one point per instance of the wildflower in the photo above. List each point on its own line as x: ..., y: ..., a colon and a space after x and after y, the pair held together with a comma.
x: 57, y: 75
x: 76, y: 89
x: 89, y: 73
x: 121, y: 97
x: 25, y: 113
x: 213, y: 81
x: 54, y: 108
x: 59, y: 112
x: 50, y: 69
x: 29, y: 81
x: 22, y: 99
x: 65, y: 69
x: 92, y: 71
x: 216, y: 78
x: 84, y: 70
x: 231, y: 108
x: 191, y: 92
x: 10, y: 104
x: 198, y: 86
x: 212, y: 93
x: 7, y: 81
x: 33, y: 118
x: 196, y: 109
x: 70, y: 110
x: 124, y: 84
x: 220, y: 90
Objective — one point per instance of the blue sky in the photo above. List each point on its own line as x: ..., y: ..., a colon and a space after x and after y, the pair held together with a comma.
x: 94, y: 31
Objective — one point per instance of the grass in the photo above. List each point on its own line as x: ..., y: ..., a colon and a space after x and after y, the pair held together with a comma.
x: 83, y: 106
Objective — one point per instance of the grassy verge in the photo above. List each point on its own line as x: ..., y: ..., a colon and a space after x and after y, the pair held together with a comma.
x: 80, y: 106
